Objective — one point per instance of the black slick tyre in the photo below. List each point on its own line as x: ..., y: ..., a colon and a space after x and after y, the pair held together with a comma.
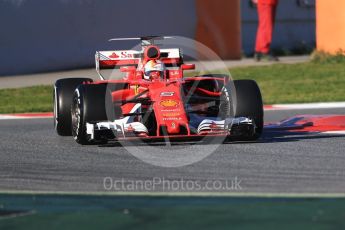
x: 91, y: 104
x: 62, y: 97
x: 249, y: 104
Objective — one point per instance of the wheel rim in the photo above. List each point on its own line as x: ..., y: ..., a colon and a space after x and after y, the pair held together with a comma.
x: 55, y: 108
x: 75, y: 117
x: 225, y: 104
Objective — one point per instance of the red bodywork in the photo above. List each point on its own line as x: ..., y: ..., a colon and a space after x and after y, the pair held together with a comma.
x: 166, y: 94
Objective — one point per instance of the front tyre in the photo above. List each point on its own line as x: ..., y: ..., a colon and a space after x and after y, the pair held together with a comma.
x: 62, y: 97
x: 249, y: 104
x: 91, y: 104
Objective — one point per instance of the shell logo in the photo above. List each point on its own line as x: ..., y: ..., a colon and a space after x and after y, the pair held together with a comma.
x: 169, y: 103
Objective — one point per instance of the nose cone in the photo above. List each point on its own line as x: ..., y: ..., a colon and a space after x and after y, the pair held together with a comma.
x: 173, y: 128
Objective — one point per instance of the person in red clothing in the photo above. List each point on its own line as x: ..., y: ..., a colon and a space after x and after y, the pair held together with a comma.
x: 266, y: 13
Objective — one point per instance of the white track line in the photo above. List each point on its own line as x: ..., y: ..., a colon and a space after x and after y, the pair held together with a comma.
x: 320, y: 105
x: 14, y: 117
x: 340, y: 132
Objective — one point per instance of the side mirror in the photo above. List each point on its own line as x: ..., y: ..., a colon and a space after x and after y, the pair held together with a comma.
x: 188, y: 66
x: 126, y: 69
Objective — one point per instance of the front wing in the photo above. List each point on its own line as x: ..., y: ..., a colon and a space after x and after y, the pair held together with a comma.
x: 125, y: 129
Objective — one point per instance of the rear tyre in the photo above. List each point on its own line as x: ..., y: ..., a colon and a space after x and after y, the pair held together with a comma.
x: 62, y: 97
x: 249, y: 104
x: 91, y: 104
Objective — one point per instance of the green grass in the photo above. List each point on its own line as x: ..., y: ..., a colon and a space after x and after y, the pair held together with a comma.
x: 30, y: 99
x: 322, y: 57
x: 321, y: 80
x: 297, y: 83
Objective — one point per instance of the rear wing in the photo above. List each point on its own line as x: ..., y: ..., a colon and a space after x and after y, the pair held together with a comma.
x: 118, y: 58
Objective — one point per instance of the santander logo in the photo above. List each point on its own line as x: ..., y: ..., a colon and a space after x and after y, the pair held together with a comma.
x: 123, y: 54
x: 114, y: 55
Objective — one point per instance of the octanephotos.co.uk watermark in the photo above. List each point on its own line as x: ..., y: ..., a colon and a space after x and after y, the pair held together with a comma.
x: 165, y: 185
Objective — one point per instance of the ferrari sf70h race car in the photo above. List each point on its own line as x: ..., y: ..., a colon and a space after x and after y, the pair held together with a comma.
x: 155, y: 101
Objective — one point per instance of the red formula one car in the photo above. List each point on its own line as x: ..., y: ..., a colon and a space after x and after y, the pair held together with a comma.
x: 155, y: 101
